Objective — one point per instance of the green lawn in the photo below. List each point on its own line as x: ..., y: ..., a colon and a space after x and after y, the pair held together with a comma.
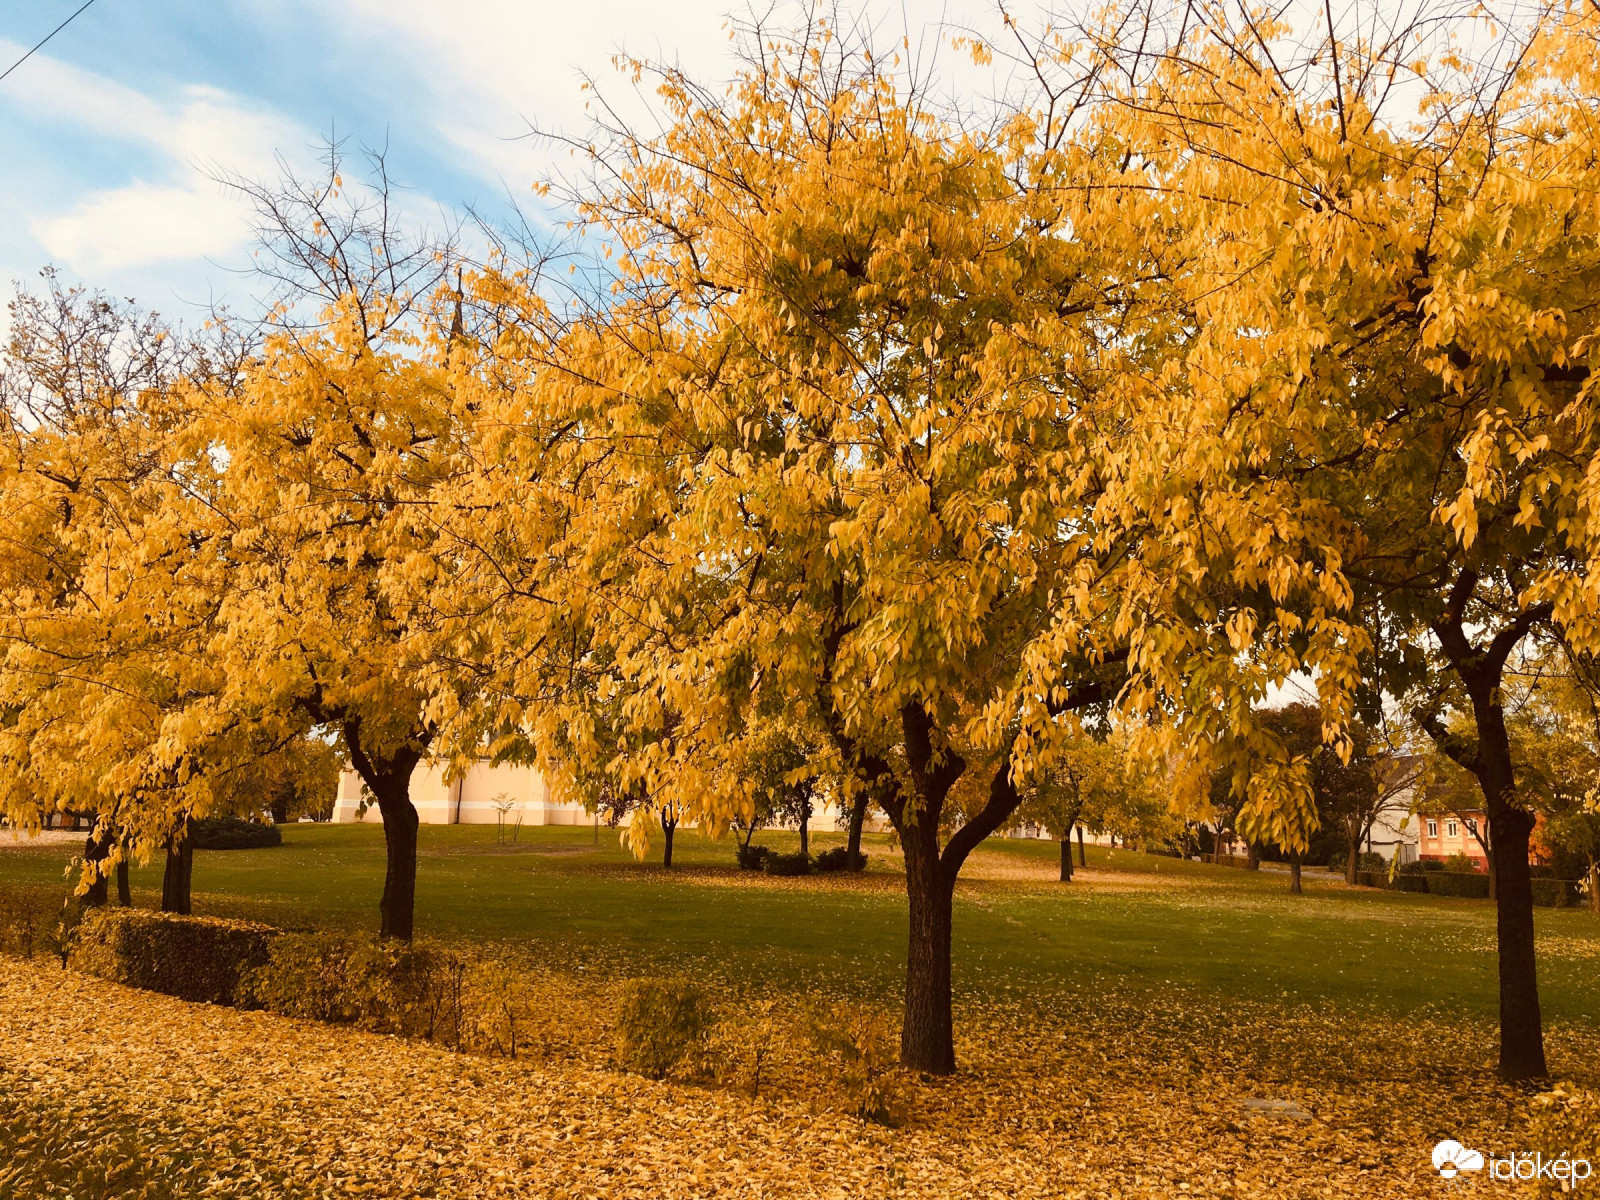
x: 1137, y: 922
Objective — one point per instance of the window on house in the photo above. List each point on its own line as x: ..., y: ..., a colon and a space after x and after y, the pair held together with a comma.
x: 1433, y: 829
x: 1451, y: 828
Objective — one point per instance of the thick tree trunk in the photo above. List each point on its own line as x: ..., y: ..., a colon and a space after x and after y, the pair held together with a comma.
x: 1594, y: 885
x: 858, y: 821
x: 95, y: 851
x: 1066, y: 858
x: 927, y: 1035
x: 397, y: 908
x: 124, y: 890
x: 1294, y: 873
x: 389, y: 781
x: 805, y: 829
x: 1352, y: 862
x: 1521, y: 1028
x: 1253, y: 862
x: 1083, y: 858
x: 177, y: 879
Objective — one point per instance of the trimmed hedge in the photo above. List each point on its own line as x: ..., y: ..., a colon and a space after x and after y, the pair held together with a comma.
x: 1556, y: 893
x: 1402, y: 881
x: 31, y: 918
x: 1547, y: 893
x: 232, y: 833
x: 1461, y: 884
x: 387, y: 986
x: 192, y: 958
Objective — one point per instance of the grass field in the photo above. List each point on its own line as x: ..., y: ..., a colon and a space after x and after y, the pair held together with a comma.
x: 1140, y: 920
x: 1120, y: 1033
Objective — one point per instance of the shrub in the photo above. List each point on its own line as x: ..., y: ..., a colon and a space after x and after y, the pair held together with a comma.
x: 1468, y: 884
x: 386, y: 986
x: 1376, y: 879
x: 856, y: 1048
x: 788, y: 864
x: 752, y: 858
x: 1556, y: 893
x: 1565, y: 1124
x: 838, y: 859
x: 232, y: 833
x: 662, y: 1027
x: 1461, y: 863
x: 1432, y: 864
x: 1413, y: 868
x: 1416, y: 881
x: 192, y: 958
x: 305, y: 975
x: 29, y: 915
x: 496, y: 1009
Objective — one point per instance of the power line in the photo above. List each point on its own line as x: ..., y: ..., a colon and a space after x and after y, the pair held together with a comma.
x: 45, y: 39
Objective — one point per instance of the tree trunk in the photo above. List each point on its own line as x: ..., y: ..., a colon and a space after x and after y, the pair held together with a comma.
x: 1066, y: 858
x: 389, y: 781
x: 1083, y: 859
x: 1352, y: 862
x: 1294, y: 873
x: 927, y: 1034
x: 668, y: 828
x: 1253, y: 862
x: 1594, y: 885
x: 95, y: 851
x: 397, y: 908
x: 1521, y: 1027
x: 1510, y: 827
x: 805, y: 828
x: 124, y: 891
x: 858, y: 820
x: 177, y: 879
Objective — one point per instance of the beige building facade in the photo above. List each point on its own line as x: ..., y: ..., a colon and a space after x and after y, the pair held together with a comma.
x: 485, y: 795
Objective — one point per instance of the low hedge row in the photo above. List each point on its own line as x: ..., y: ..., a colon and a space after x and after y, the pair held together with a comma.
x: 1547, y: 893
x: 192, y: 958
x: 418, y: 990
x: 232, y: 833
x: 34, y: 917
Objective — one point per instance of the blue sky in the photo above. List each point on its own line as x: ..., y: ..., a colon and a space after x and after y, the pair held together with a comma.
x: 111, y: 134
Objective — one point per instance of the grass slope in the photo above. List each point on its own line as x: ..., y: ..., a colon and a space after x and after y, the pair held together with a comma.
x: 1140, y: 921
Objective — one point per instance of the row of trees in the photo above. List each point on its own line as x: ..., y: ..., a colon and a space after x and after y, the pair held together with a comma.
x: 922, y: 434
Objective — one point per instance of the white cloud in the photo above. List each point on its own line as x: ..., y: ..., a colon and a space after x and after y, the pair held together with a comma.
x: 180, y: 211
x: 492, y: 67
x: 141, y: 224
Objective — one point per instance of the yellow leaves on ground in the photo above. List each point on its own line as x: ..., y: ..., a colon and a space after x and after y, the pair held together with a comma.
x: 1121, y: 1098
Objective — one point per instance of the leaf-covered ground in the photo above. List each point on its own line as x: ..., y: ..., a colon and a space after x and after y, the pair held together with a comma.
x: 107, y: 1092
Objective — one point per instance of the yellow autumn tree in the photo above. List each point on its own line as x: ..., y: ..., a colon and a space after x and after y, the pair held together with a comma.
x: 867, y: 435
x: 331, y: 437
x: 110, y: 590
x: 1388, y: 250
